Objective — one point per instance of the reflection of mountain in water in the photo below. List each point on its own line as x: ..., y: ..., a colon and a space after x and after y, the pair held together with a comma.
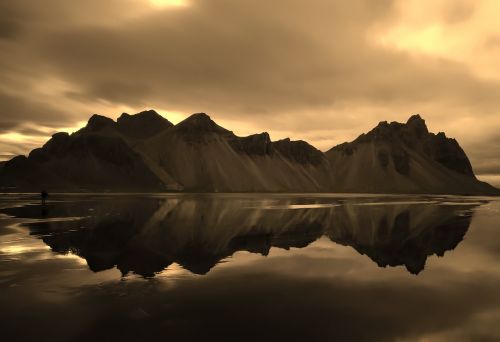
x: 400, y: 235
x: 145, y: 236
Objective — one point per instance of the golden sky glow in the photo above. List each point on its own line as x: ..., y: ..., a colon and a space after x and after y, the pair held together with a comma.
x: 168, y: 3
x: 457, y: 30
x: 322, y: 71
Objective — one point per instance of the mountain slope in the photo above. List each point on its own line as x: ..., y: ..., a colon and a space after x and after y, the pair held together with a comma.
x: 99, y: 157
x: 395, y: 157
x: 203, y: 156
x: 86, y: 162
x: 146, y: 152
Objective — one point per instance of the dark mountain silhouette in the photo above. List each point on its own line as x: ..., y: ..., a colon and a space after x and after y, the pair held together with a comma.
x: 146, y: 235
x: 145, y: 152
x: 396, y: 157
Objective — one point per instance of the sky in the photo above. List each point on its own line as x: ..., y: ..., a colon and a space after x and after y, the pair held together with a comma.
x: 323, y: 71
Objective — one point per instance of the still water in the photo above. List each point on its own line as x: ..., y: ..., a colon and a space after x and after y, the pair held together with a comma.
x: 239, y: 267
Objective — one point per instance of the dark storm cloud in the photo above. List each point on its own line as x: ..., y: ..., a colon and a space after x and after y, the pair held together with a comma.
x: 231, y: 57
x: 11, y: 21
x: 16, y: 111
x: 8, y: 29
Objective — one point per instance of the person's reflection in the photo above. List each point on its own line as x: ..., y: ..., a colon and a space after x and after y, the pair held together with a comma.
x: 43, y: 196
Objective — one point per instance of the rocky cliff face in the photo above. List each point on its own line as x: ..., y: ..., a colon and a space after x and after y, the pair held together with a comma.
x: 413, y: 135
x: 142, y: 125
x: 202, y: 156
x: 81, y: 162
x: 397, y: 157
x: 145, y: 152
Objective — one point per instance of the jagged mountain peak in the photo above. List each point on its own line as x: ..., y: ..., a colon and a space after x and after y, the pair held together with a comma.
x: 149, y: 114
x: 264, y: 136
x: 299, y: 151
x: 414, y: 126
x: 56, y: 143
x: 143, y: 124
x: 200, y: 116
x: 198, y: 124
x: 98, y: 122
x: 415, y: 118
x: 255, y: 144
x: 417, y: 125
x: 412, y: 132
x: 198, y: 119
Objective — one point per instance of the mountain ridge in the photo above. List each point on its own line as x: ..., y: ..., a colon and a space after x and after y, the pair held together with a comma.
x: 146, y: 152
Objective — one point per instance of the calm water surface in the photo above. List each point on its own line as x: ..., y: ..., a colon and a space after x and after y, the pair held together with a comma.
x: 250, y: 268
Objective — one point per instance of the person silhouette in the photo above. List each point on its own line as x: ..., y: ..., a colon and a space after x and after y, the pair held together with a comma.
x: 44, y: 194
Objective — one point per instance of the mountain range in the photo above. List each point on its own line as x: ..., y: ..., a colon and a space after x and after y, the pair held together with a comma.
x: 145, y: 152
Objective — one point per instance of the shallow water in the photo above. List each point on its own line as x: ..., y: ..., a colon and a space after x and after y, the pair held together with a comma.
x: 250, y: 267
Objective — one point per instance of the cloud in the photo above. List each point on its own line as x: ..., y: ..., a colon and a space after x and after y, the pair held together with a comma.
x: 458, y: 11
x: 16, y: 111
x: 220, y: 58
x: 485, y: 158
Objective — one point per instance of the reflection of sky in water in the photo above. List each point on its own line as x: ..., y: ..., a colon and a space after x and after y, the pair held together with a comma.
x: 299, y: 206
x: 323, y: 291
